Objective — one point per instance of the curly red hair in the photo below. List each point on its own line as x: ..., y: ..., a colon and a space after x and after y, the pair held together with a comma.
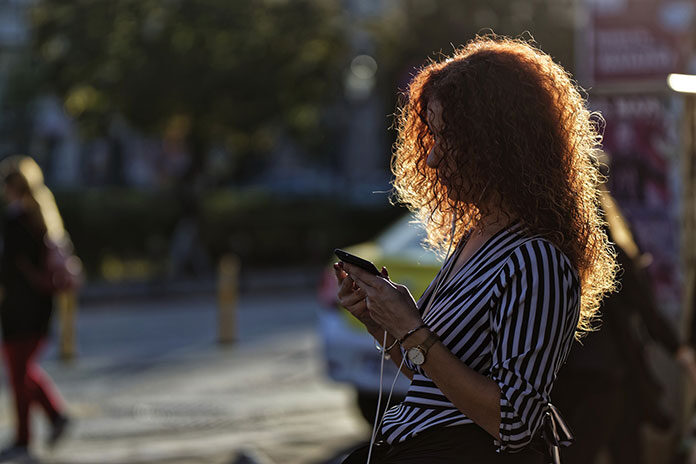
x: 519, y: 132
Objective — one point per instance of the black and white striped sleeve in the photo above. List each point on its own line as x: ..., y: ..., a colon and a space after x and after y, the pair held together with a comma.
x: 533, y: 325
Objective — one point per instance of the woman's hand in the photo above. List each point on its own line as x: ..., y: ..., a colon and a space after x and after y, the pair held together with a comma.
x: 389, y: 305
x: 352, y: 297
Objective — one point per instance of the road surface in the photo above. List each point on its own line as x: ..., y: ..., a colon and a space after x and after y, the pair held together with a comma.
x: 151, y: 385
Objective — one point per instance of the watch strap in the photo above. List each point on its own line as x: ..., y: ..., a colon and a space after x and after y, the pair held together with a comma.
x: 411, y: 332
x: 430, y: 341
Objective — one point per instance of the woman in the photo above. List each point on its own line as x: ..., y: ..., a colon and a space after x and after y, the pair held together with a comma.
x: 31, y: 217
x: 495, y: 153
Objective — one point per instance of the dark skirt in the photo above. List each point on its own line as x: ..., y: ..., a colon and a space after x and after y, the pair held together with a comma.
x: 465, y: 444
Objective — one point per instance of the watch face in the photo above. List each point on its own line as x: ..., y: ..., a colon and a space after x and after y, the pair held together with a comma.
x: 416, y: 356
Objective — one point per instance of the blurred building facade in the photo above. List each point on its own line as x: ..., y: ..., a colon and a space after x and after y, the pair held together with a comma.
x: 125, y: 157
x: 14, y: 35
x: 626, y: 49
x: 46, y: 132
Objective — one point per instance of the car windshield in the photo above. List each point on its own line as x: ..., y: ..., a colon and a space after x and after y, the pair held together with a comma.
x: 405, y: 239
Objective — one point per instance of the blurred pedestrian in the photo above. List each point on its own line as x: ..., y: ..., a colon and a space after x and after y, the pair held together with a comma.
x: 607, y: 389
x: 30, y: 222
x: 495, y: 152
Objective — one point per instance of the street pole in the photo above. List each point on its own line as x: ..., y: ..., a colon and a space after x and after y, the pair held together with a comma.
x: 228, y: 294
x: 67, y: 310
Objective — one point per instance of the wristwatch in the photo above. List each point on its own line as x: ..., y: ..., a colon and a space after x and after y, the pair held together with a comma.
x: 417, y: 353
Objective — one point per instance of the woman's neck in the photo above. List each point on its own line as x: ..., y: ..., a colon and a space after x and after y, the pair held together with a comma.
x: 492, y: 222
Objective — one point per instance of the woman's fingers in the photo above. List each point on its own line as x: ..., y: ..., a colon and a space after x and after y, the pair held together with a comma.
x: 343, y: 277
x: 352, y: 299
x: 340, y: 273
x: 362, y: 277
x: 349, y: 294
x: 347, y: 287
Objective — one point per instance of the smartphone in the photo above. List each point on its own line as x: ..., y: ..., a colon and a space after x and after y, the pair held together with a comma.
x: 357, y: 261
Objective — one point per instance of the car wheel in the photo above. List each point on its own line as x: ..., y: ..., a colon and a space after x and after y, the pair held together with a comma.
x: 367, y: 404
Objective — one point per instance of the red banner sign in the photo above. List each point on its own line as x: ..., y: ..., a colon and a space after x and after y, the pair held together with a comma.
x: 638, y: 40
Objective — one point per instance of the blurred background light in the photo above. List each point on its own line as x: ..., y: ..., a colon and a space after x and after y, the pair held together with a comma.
x: 361, y: 79
x: 363, y: 66
x: 684, y: 83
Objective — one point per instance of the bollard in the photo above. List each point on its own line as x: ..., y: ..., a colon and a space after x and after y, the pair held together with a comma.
x: 228, y: 292
x: 67, y: 308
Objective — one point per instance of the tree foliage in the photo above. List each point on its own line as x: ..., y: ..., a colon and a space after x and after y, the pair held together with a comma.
x: 228, y: 72
x: 414, y: 30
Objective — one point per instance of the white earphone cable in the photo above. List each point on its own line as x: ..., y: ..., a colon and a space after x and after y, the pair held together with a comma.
x: 379, y: 398
x: 378, y: 424
x: 391, y: 390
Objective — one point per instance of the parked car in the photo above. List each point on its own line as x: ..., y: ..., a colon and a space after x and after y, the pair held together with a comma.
x: 350, y: 353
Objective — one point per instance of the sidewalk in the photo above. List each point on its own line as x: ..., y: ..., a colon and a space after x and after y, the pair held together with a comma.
x: 151, y: 385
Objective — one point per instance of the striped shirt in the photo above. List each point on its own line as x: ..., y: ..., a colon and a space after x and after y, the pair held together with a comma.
x: 510, y: 314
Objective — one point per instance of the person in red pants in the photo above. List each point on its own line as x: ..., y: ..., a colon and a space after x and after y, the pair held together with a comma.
x: 31, y: 218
